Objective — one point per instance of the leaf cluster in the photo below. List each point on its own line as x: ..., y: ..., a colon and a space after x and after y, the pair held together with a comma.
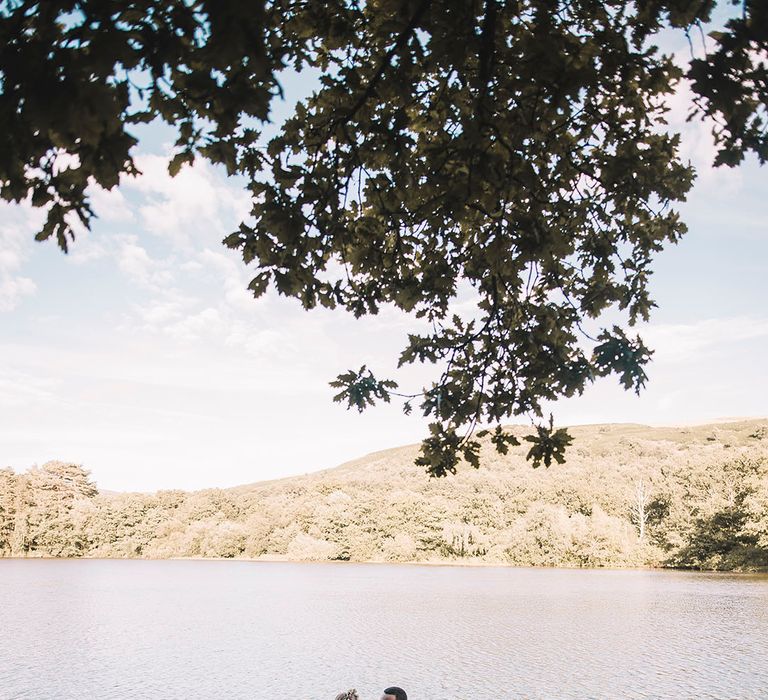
x: 361, y: 389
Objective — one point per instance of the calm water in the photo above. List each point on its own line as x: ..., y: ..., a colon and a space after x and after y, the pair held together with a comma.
x: 192, y: 629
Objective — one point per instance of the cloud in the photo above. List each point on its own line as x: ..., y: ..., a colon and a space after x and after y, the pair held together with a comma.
x: 199, y: 203
x: 206, y: 323
x: 134, y: 260
x: 159, y: 313
x: 676, y: 343
x: 13, y: 290
x: 20, y: 222
x: 233, y: 276
x: 111, y: 205
x: 20, y: 388
x: 206, y: 301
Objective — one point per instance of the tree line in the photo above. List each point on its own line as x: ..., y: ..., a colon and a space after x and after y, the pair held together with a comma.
x: 627, y: 496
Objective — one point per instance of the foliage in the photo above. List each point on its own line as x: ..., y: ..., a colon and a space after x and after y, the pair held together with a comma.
x: 730, y: 85
x: 7, y: 509
x: 361, y: 389
x: 549, y: 444
x: 515, y: 149
x: 628, y: 496
x: 45, y: 500
x: 77, y: 76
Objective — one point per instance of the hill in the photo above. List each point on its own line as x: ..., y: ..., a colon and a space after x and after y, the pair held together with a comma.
x: 628, y: 495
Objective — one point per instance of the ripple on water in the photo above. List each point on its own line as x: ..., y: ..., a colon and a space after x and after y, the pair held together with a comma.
x: 191, y: 629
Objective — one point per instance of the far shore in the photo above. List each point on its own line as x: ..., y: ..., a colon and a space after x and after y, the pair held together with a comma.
x: 627, y: 497
x: 443, y: 564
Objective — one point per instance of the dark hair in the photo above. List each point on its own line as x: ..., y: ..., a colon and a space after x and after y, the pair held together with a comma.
x: 399, y: 693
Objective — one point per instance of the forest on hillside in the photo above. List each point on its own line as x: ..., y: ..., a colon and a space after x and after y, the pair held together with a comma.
x: 627, y: 496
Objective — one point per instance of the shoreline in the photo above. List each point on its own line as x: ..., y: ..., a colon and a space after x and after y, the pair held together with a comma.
x: 435, y: 564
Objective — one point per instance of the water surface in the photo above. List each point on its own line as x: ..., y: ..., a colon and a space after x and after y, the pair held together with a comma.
x: 228, y: 629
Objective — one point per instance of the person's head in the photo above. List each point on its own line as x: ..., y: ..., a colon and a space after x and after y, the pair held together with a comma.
x: 394, y: 693
x: 349, y: 695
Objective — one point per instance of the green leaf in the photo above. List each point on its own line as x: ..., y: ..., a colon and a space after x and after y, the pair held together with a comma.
x: 174, y: 166
x: 361, y: 389
x: 548, y: 444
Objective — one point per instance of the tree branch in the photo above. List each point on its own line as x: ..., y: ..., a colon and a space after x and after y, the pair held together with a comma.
x: 385, y: 62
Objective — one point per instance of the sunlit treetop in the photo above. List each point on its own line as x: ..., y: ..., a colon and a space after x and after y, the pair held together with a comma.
x: 516, y: 149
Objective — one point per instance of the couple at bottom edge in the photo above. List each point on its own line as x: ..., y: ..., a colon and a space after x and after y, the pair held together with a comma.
x: 392, y: 693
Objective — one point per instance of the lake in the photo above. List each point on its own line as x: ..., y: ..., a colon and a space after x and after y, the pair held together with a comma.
x: 235, y: 629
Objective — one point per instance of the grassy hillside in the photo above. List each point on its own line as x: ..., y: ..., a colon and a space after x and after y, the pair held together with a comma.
x: 629, y: 495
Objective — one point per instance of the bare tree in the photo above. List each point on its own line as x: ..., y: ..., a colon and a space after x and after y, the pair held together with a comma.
x: 639, y: 507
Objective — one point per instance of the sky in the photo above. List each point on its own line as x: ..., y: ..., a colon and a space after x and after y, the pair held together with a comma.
x: 142, y: 356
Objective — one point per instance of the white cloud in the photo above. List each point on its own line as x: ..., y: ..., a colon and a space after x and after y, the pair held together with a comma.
x: 161, y: 312
x: 19, y: 388
x: 134, y: 260
x: 191, y: 206
x: 685, y: 342
x: 20, y: 223
x: 111, y: 205
x: 205, y: 323
x: 13, y: 290
x: 262, y: 342
x: 233, y: 276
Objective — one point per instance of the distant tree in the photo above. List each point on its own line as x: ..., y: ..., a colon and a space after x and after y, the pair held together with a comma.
x: 463, y: 540
x: 517, y: 150
x: 543, y: 536
x: 44, y: 509
x: 639, y: 510
x: 756, y: 506
x: 604, y: 540
x: 125, y: 524
x: 8, y: 487
x: 304, y: 547
x: 721, y: 540
x: 401, y: 547
x: 257, y: 527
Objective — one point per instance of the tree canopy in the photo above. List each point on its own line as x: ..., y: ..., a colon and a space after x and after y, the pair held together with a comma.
x: 517, y: 149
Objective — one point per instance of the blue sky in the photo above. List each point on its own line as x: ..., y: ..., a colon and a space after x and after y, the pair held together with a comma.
x: 141, y: 355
